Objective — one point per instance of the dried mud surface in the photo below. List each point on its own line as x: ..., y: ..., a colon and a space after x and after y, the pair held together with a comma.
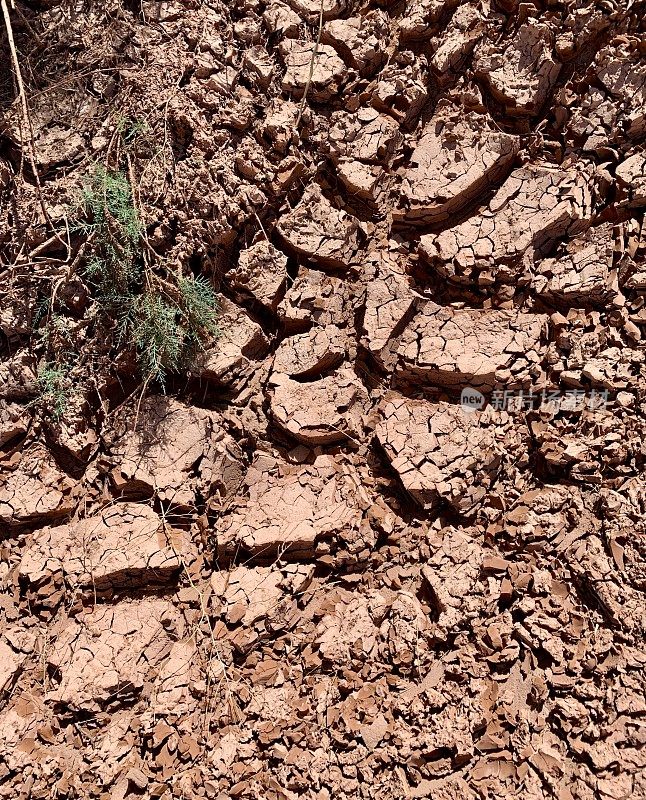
x: 307, y: 571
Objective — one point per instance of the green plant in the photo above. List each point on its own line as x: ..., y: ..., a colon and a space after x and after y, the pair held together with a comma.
x: 166, y: 316
x: 114, y: 225
x: 52, y: 389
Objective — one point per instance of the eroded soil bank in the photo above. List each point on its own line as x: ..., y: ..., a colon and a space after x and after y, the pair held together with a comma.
x: 308, y: 570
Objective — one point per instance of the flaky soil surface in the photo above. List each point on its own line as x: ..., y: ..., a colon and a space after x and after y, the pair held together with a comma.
x: 305, y: 571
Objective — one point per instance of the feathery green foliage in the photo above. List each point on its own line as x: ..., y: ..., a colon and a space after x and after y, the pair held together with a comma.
x: 166, y: 317
x: 114, y: 223
x: 52, y: 391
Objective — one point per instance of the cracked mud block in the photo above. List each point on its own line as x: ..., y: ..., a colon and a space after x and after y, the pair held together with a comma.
x: 612, y: 108
x: 589, y: 445
x: 359, y: 144
x: 247, y: 594
x: 290, y: 510
x: 596, y: 574
x: 251, y: 594
x: 17, y: 310
x: 351, y: 631
x: 622, y: 72
x: 56, y: 124
x: 483, y: 349
x: 366, y: 136
x: 175, y: 451
x: 451, y: 578
x: 442, y: 453
x: 259, y: 66
x: 454, y: 45
x: 624, y: 512
x: 360, y: 41
x: 323, y: 412
x: 14, y: 422
x: 457, y: 158
x: 105, y: 656
x: 363, y: 182
x: 34, y: 490
x: 240, y: 343
x: 171, y: 695
x: 389, y: 304
x: 310, y: 9
x: 521, y: 76
x: 18, y: 376
x: 327, y: 76
x: 307, y: 355
x: 405, y: 633
x: 124, y: 547
x: 631, y: 177
x: 320, y: 232
x: 534, y: 207
x: 261, y: 274
x: 401, y: 91
x: 583, y: 272
x: 10, y: 666
x: 315, y: 297
x: 590, y: 363
x: 281, y: 20
x: 421, y: 17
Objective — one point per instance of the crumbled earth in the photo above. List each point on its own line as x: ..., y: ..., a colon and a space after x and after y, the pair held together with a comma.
x: 384, y: 535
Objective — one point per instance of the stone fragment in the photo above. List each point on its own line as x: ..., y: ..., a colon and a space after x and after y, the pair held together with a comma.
x: 323, y: 412
x: 441, y: 452
x: 327, y: 76
x: 483, y: 349
x: 320, y: 232
x: 261, y: 273
x: 521, y: 76
x: 457, y: 158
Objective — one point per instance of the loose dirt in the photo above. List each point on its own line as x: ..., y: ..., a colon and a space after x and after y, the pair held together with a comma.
x: 308, y: 569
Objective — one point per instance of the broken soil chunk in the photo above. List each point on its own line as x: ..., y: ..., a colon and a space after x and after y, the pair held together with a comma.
x: 441, y: 452
x: 123, y: 547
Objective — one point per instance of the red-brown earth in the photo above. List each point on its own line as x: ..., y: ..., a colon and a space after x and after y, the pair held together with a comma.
x: 306, y: 571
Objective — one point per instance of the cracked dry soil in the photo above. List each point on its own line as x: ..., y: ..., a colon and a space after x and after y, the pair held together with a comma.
x: 306, y: 571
